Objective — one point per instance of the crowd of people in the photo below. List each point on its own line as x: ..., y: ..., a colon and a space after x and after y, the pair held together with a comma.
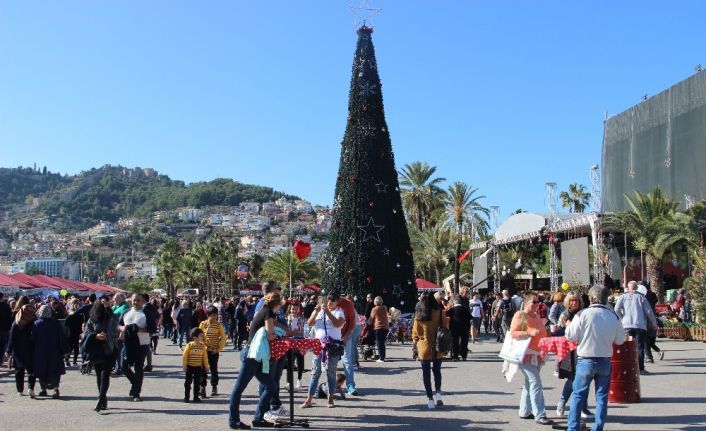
x: 118, y: 336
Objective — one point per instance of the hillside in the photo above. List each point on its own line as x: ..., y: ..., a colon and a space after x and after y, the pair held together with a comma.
x: 112, y: 192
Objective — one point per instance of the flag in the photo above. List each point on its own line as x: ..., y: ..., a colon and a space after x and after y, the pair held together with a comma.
x: 464, y: 255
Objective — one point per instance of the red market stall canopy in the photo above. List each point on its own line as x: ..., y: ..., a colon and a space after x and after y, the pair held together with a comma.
x: 427, y: 286
x: 39, y: 282
x: 311, y: 288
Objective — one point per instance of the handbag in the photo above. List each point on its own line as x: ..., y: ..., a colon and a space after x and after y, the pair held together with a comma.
x: 333, y: 347
x: 514, y: 350
x: 443, y: 337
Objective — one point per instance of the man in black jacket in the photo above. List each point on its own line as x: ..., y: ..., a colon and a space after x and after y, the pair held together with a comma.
x: 152, y: 315
x: 460, y: 326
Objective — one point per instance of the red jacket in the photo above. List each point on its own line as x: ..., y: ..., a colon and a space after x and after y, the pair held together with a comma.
x: 349, y: 313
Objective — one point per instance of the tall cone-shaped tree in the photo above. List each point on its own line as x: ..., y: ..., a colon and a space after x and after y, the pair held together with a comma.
x: 369, y: 248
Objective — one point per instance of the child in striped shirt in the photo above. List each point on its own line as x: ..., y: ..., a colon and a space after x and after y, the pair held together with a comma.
x: 194, y: 360
x: 215, y: 339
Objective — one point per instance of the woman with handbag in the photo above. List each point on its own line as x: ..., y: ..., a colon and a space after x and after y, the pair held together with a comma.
x: 428, y: 319
x: 99, y: 346
x: 527, y: 323
x: 328, y: 320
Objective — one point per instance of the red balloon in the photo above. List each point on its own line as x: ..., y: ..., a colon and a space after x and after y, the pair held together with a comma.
x: 301, y: 249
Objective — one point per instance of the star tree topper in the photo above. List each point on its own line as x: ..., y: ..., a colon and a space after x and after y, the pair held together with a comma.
x: 364, y: 14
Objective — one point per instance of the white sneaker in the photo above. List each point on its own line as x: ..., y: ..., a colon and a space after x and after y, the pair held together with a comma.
x: 270, y: 417
x: 19, y: 394
x: 587, y: 415
x: 437, y: 399
x: 299, y: 384
x: 380, y: 361
x: 281, y: 412
x: 286, y: 387
x: 431, y: 405
x: 560, y: 409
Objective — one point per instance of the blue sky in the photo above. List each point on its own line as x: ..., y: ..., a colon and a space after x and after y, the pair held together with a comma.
x: 504, y: 95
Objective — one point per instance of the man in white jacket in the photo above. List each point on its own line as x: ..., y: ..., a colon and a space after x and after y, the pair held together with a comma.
x: 595, y: 330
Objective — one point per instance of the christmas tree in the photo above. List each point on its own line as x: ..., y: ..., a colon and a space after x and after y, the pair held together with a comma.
x: 369, y: 249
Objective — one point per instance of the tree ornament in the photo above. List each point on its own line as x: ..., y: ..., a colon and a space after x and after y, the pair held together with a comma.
x: 397, y: 290
x: 398, y: 264
x: 365, y: 109
x: 337, y: 223
x: 351, y: 271
x: 371, y: 204
x: 384, y: 291
x: 386, y: 251
x: 369, y: 279
x: 352, y: 178
x: 340, y: 250
x: 409, y: 282
x: 394, y: 211
x: 382, y: 187
x: 371, y: 230
x: 366, y: 89
x: 409, y: 252
x: 350, y: 118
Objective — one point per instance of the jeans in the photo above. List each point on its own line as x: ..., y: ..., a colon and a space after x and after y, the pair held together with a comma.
x: 588, y: 370
x: 184, y: 332
x: 427, y: 368
x: 167, y: 330
x: 120, y: 360
x: 566, y: 395
x: 276, y: 370
x: 213, y: 365
x: 330, y: 374
x: 498, y: 328
x: 136, y: 377
x: 380, y: 340
x: 349, y: 355
x: 640, y: 335
x: 20, y: 378
x: 532, y: 398
x: 249, y: 368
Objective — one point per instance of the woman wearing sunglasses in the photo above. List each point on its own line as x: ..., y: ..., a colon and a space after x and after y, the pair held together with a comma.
x: 527, y: 323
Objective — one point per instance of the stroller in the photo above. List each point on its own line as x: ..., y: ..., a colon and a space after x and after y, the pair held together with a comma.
x: 367, y: 343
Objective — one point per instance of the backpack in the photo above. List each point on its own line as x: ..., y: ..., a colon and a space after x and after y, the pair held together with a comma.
x: 507, y: 310
x: 443, y: 337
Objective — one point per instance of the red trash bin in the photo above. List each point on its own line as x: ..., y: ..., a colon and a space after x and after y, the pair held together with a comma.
x: 624, y: 374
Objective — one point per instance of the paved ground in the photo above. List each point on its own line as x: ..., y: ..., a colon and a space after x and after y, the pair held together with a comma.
x: 476, y: 396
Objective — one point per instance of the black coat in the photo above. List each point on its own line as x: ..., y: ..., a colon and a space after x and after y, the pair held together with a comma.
x: 21, y: 346
x: 5, y: 316
x: 48, y: 354
x: 460, y: 319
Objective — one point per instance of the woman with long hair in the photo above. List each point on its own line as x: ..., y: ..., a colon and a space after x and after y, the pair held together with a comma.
x: 21, y: 348
x: 428, y: 317
x: 526, y: 323
x: 100, y: 347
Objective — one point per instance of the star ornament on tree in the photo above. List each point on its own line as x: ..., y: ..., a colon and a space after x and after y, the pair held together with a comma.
x: 382, y: 187
x: 371, y: 230
x: 366, y: 89
x: 397, y: 290
x: 364, y: 14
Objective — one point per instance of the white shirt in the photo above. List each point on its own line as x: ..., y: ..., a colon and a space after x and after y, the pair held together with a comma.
x: 477, y: 308
x: 333, y: 332
x: 138, y: 318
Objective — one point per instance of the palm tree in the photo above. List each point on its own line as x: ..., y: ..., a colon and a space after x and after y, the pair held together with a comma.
x: 645, y: 223
x: 462, y: 205
x: 168, y: 260
x: 277, y: 268
x: 684, y: 228
x: 421, y: 193
x: 576, y: 198
x: 434, y: 249
x: 190, y: 272
x: 256, y: 262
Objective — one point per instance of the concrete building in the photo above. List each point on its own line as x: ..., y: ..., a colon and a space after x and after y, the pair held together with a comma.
x: 51, y: 267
